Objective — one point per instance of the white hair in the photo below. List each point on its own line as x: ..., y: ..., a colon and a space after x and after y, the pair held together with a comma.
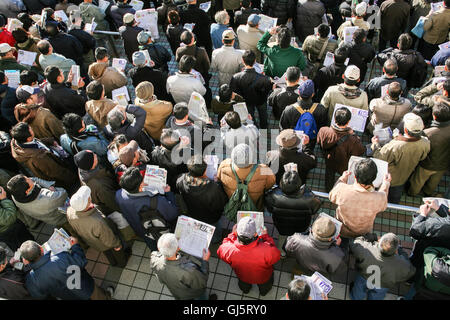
x: 221, y: 17
x: 240, y: 155
x: 168, y: 245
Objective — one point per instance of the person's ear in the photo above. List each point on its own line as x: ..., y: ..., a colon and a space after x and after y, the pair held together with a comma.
x: 342, y: 76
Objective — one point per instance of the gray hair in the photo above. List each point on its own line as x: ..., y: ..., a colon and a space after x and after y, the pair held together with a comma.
x: 115, y: 118
x: 240, y: 155
x: 30, y: 250
x: 388, y: 244
x: 168, y: 245
x: 221, y: 17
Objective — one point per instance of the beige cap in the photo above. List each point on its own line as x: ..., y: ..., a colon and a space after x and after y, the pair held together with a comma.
x: 128, y: 18
x: 413, y: 123
x: 228, y: 35
x: 144, y: 90
x: 352, y: 72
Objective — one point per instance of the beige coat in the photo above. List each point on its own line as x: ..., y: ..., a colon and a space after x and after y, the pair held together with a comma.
x: 262, y: 180
x: 357, y: 207
x: 436, y: 27
x: 93, y: 228
x: 248, y: 39
x: 109, y: 77
x: 356, y: 22
x: 312, y: 46
x: 157, y: 113
x: 98, y: 110
x: 387, y: 111
x: 337, y: 94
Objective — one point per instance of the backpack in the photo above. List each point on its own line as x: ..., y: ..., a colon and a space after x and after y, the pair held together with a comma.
x: 306, y: 122
x: 418, y: 73
x: 240, y: 199
x: 153, y: 222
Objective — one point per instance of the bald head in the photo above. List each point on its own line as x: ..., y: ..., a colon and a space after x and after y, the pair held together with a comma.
x: 394, y: 90
x: 390, y: 67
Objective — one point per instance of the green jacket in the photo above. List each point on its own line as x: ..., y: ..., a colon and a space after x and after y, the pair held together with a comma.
x: 8, y: 214
x: 278, y: 60
x: 11, y: 64
x: 437, y: 266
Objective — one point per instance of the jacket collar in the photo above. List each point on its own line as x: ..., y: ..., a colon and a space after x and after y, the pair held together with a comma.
x: 43, y: 260
x: 406, y: 139
x: 319, y: 244
x: 437, y: 124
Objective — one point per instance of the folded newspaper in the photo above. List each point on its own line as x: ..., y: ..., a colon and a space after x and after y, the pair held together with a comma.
x: 241, y: 109
x: 291, y: 166
x: 119, y: 64
x: 336, y: 222
x: 319, y: 285
x: 358, y: 119
x: 58, y: 242
x: 193, y: 235
x: 266, y: 23
x: 382, y: 167
x: 384, y: 134
x: 255, y: 215
x: 213, y: 163
x: 197, y: 108
x: 441, y: 201
x: 155, y: 179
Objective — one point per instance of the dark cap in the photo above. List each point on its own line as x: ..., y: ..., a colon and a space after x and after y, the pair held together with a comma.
x: 84, y: 159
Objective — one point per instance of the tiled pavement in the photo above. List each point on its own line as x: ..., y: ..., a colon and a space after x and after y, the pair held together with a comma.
x: 137, y: 282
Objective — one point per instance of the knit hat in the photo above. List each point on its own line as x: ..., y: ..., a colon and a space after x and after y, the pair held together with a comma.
x: 361, y: 9
x: 306, y: 89
x: 228, y: 35
x: 23, y: 93
x: 323, y: 229
x: 80, y: 199
x: 352, y: 72
x: 84, y: 159
x: 246, y: 227
x: 128, y: 18
x: 413, y: 123
x: 127, y: 153
x: 288, y: 139
x: 240, y: 155
x: 143, y: 37
x: 144, y: 91
x: 253, y: 19
x: 71, y: 8
x: 138, y: 58
x: 5, y: 48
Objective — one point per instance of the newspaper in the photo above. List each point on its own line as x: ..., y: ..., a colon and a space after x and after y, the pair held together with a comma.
x: 75, y: 69
x: 255, y: 215
x: 241, y: 109
x: 13, y: 24
x: 189, y: 26
x: 13, y: 78
x: 61, y: 14
x: 318, y: 284
x: 358, y: 120
x: 436, y: 6
x: 384, y: 134
x: 58, y: 242
x: 26, y: 57
x: 266, y: 23
x: 444, y: 45
x: 347, y: 61
x: 136, y: 4
x: 17, y: 257
x: 382, y: 167
x: 103, y: 5
x: 148, y: 20
x: 193, y: 235
x: 205, y: 6
x: 445, y: 202
x: 197, y: 108
x: 155, y: 179
x: 120, y: 64
x: 198, y: 76
x: 325, y: 19
x: 258, y: 67
x: 301, y: 135
x: 121, y: 96
x: 291, y: 166
x: 90, y: 27
x: 384, y: 90
x: 329, y: 59
x: 213, y: 163
x: 336, y: 222
x: 148, y: 60
x: 438, y: 70
x: 348, y: 33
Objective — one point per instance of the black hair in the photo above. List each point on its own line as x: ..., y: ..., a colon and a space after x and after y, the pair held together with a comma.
x: 196, y: 166
x: 290, y: 183
x: 446, y: 85
x: 3, y: 20
x: 324, y: 30
x: 293, y: 74
x: 101, y: 53
x: 390, y: 67
x: 2, y: 77
x: 447, y: 63
x: 169, y: 138
x: 72, y: 122
x: 131, y: 180
x: 2, y: 255
x: 366, y: 171
x: 404, y: 41
x: 18, y: 186
x: 359, y: 35
x: 43, y: 46
x: 186, y: 37
x: 20, y: 35
x: 298, y: 289
x: 28, y: 77
x: 186, y: 63
x: 228, y: 42
x: 249, y: 58
x: 245, y: 240
x: 441, y: 111
x: 21, y: 132
x: 225, y: 93
x: 233, y: 119
x: 52, y: 73
x: 425, y: 112
x: 180, y: 110
x: 173, y: 17
x: 245, y: 3
x: 340, y: 54
x: 284, y: 38
x: 94, y: 90
x: 447, y: 3
x: 26, y: 20
x: 342, y: 116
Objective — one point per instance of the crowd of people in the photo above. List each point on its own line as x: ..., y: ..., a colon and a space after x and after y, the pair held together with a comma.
x: 73, y: 156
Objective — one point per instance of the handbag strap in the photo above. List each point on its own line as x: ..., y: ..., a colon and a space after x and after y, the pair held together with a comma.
x: 249, y: 176
x: 322, y: 51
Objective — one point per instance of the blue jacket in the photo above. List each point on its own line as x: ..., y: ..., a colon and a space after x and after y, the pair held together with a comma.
x: 440, y: 57
x: 49, y: 276
x: 98, y: 145
x: 216, y: 35
x: 131, y: 204
x: 7, y: 103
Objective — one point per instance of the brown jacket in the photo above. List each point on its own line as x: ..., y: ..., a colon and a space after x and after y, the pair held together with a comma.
x: 202, y: 63
x: 98, y: 110
x: 387, y: 111
x: 157, y: 113
x: 262, y: 180
x: 436, y: 27
x: 357, y: 207
x: 439, y: 157
x: 43, y: 122
x: 93, y: 228
x: 109, y: 77
x: 337, y: 157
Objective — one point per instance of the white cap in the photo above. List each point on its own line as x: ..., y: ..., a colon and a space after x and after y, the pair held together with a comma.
x: 361, y: 9
x: 413, y: 123
x: 4, y: 48
x: 352, y: 72
x: 80, y: 199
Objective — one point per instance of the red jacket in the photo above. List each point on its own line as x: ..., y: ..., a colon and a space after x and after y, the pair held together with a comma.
x: 7, y: 37
x: 252, y: 263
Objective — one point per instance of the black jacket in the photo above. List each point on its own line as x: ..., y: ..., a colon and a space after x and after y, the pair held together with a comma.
x: 252, y: 86
x: 162, y: 157
x: 36, y: 6
x: 129, y: 37
x: 374, y: 86
x: 86, y: 40
x: 118, y: 11
x: 327, y: 77
x: 281, y: 9
x: 193, y: 14
x: 173, y: 34
x: 62, y: 99
x: 290, y: 115
x: 280, y: 98
x: 291, y: 213
x: 67, y: 45
x: 156, y: 77
x: 159, y: 55
x: 360, y: 55
x: 205, y: 199
x: 241, y: 16
x: 12, y: 284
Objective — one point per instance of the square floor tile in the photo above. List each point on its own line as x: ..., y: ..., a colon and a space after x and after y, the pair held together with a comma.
x: 166, y: 291
x: 92, y: 254
x: 127, y: 277
x: 338, y: 291
x: 139, y: 248
x: 133, y: 263
x: 285, y: 279
x: 220, y: 282
x: 224, y: 268
x: 231, y: 296
x: 149, y: 295
x: 145, y: 266
x: 113, y: 274
x: 141, y: 281
x: 100, y: 270
x: 164, y: 297
x: 154, y: 285
x: 90, y: 266
x: 233, y: 287
x: 136, y: 294
x: 281, y: 292
x: 253, y: 293
x: 103, y: 259
x: 121, y: 292
x: 271, y: 295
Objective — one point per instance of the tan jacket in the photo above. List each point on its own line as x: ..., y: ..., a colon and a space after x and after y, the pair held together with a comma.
x: 262, y: 180
x: 338, y: 94
x: 387, y: 111
x: 93, y: 228
x: 98, y: 110
x: 436, y: 27
x: 357, y: 207
x: 313, y: 46
x: 248, y: 39
x: 43, y: 122
x: 157, y: 113
x: 356, y: 22
x: 402, y: 154
x: 109, y: 77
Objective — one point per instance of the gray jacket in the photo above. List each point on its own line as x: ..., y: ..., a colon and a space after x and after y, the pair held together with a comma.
x: 394, y: 269
x: 314, y: 255
x: 185, y: 277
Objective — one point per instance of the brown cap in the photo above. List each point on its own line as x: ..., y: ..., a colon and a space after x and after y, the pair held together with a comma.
x: 127, y: 153
x: 228, y: 35
x: 323, y: 229
x: 288, y: 139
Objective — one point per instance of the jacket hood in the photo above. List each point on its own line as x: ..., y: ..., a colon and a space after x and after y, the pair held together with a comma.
x: 333, y: 139
x: 388, y: 100
x: 24, y: 113
x: 21, y: 154
x: 97, y: 70
x: 350, y: 92
x: 321, y: 245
